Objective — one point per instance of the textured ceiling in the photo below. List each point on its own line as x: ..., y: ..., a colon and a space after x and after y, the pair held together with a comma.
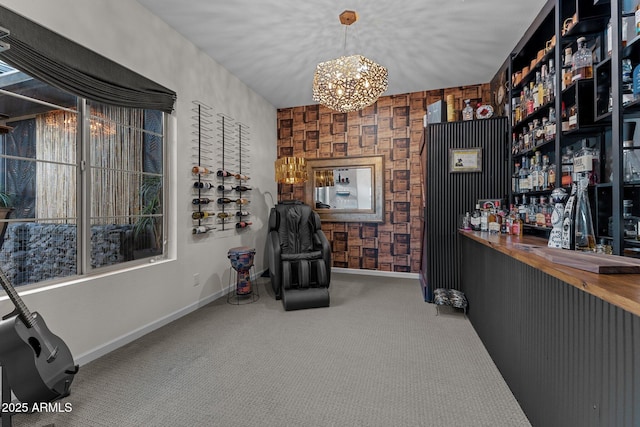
x: 273, y: 46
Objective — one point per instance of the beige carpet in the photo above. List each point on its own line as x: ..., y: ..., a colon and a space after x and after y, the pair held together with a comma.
x: 379, y: 356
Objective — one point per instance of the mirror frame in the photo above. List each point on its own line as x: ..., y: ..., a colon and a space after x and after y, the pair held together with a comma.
x: 349, y: 215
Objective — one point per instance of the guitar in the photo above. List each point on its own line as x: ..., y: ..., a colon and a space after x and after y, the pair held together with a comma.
x: 38, y: 364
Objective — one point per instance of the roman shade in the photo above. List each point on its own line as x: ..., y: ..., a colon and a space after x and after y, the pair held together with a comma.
x: 60, y: 62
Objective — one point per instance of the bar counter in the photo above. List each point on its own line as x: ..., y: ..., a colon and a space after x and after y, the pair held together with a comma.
x: 566, y: 341
x: 621, y: 290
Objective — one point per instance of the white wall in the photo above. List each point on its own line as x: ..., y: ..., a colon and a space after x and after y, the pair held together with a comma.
x: 98, y: 314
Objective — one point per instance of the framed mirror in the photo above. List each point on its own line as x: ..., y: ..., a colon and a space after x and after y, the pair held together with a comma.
x: 348, y: 189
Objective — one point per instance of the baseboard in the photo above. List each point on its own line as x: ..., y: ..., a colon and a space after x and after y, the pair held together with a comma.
x: 375, y: 273
x: 99, y: 351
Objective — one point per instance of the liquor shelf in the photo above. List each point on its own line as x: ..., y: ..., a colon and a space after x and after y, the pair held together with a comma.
x: 621, y: 290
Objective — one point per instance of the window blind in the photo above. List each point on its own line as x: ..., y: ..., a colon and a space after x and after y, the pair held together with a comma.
x: 60, y: 62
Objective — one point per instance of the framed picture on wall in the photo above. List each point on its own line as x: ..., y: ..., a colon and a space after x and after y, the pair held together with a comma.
x: 465, y: 159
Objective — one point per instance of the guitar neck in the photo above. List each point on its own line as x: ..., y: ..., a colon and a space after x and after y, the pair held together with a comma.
x: 23, y: 311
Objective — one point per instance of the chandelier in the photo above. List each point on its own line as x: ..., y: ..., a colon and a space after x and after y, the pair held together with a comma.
x: 349, y: 83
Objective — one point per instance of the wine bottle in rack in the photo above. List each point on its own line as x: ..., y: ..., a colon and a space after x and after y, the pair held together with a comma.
x: 241, y: 177
x: 202, y: 229
x: 243, y: 201
x: 243, y: 224
x: 200, y: 170
x: 224, y: 200
x: 223, y: 215
x: 201, y: 215
x: 241, y: 188
x: 225, y: 187
x: 224, y: 173
x: 242, y: 213
x: 200, y: 184
x: 201, y: 201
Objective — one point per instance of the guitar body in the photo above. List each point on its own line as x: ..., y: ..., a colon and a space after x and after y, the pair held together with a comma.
x: 23, y: 357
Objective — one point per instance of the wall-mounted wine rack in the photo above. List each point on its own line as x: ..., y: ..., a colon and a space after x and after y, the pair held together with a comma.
x: 221, y: 172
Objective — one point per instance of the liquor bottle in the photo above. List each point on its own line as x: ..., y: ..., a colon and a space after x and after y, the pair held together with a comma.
x: 530, y: 101
x: 524, y: 176
x: 494, y: 221
x: 241, y: 177
x: 567, y: 168
x: 242, y: 213
x: 224, y: 200
x: 568, y: 220
x: 552, y: 176
x: 541, y: 211
x: 534, y: 172
x: 541, y: 87
x: 200, y: 170
x: 467, y: 111
x: 535, y: 92
x: 550, y: 90
x: 550, y: 129
x: 526, y: 139
x: 484, y: 220
x: 200, y: 184
x: 582, y: 62
x: 202, y: 229
x: 515, y: 179
x: 585, y: 237
x: 573, y: 117
x: 242, y: 201
x: 243, y: 224
x: 516, y: 224
x: 538, y: 133
x: 201, y: 201
x: 241, y: 188
x: 223, y: 173
x: 475, y: 218
x: 586, y: 163
x: 201, y: 215
x: 522, y: 209
x: 545, y: 173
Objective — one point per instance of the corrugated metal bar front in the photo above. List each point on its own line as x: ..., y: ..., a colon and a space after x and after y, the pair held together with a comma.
x: 570, y: 359
x: 449, y: 195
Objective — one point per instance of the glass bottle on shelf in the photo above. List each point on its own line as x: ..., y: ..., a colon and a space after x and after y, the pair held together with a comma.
x: 586, y: 163
x: 545, y: 173
x: 630, y: 221
x: 550, y: 128
x: 540, y: 131
x: 585, y: 238
x: 515, y: 179
x: 524, y: 176
x: 475, y: 218
x: 567, y: 167
x: 573, y: 117
x: 467, y: 111
x: 535, y: 92
x: 530, y: 101
x: 582, y: 62
x: 541, y: 87
x: 550, y: 90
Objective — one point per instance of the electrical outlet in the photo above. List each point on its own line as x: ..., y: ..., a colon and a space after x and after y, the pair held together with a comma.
x: 196, y: 279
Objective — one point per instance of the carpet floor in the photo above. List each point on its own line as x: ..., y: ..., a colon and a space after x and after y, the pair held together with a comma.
x: 378, y: 356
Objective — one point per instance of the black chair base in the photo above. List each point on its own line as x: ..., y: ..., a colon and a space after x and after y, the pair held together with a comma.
x: 301, y: 298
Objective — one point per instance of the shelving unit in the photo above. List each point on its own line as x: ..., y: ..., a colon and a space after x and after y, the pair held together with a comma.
x: 202, y: 155
x: 600, y: 112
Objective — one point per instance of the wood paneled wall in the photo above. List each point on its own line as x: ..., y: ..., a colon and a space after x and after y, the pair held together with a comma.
x: 393, y: 126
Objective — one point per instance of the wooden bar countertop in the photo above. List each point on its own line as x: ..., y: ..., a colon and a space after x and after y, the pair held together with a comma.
x: 621, y: 290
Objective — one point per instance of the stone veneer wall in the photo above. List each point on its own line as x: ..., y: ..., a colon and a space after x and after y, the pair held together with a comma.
x: 55, y: 246
x: 393, y: 126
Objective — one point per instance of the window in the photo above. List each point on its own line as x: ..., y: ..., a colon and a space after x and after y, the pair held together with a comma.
x: 83, y: 181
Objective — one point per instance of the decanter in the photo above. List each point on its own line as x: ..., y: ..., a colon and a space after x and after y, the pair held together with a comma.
x: 585, y: 237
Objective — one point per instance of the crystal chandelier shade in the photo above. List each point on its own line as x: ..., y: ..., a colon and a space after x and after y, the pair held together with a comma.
x: 349, y: 83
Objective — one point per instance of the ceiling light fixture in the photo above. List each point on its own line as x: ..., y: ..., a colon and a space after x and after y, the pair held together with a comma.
x: 349, y: 83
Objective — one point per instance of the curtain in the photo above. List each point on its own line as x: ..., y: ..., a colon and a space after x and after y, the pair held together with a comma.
x: 62, y: 63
